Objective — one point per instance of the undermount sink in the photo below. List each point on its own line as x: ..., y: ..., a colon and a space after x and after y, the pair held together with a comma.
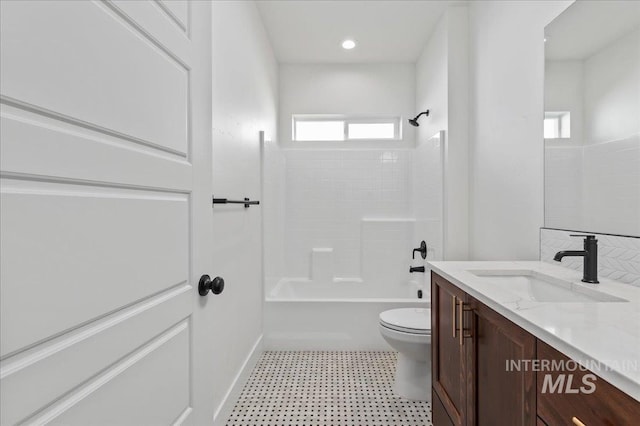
x: 538, y: 287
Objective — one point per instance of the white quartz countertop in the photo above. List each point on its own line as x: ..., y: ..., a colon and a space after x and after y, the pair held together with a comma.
x: 603, y: 336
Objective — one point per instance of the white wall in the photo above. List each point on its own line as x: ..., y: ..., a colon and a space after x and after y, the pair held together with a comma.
x: 506, y: 163
x: 244, y: 103
x: 442, y: 87
x: 612, y: 91
x: 376, y: 89
x: 432, y: 80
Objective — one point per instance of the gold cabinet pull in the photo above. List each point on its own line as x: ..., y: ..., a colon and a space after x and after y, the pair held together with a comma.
x: 576, y: 421
x: 461, y: 312
x: 454, y: 305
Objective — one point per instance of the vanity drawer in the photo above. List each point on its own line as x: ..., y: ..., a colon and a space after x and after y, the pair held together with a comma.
x: 606, y: 405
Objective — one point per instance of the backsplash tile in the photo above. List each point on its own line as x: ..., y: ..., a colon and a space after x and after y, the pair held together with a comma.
x: 618, y: 256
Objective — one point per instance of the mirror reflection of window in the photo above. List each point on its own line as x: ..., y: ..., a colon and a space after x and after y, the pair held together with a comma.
x: 557, y: 125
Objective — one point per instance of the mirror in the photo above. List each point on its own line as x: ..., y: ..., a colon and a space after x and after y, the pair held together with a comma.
x: 592, y: 118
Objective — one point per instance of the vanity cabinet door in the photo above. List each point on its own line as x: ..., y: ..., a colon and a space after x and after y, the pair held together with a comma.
x: 495, y: 395
x: 580, y: 397
x: 448, y: 356
x: 439, y: 415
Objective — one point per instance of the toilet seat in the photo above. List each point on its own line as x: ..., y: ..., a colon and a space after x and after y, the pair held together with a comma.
x: 407, y: 320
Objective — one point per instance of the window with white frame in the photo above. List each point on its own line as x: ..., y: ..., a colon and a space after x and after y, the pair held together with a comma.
x: 344, y: 128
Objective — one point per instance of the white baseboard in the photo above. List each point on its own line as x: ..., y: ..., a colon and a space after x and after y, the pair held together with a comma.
x: 224, y: 411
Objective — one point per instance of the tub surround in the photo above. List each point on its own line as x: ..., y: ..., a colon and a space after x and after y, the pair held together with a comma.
x: 604, y: 333
x: 343, y: 214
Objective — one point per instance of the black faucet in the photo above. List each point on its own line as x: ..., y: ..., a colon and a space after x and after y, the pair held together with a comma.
x: 590, y: 254
x: 413, y: 269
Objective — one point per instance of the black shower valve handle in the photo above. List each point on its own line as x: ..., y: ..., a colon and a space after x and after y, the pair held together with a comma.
x: 422, y: 250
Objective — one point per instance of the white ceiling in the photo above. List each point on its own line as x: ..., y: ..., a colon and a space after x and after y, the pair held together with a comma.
x: 385, y: 31
x: 588, y: 26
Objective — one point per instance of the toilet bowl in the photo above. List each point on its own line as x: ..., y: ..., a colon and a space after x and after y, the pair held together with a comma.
x: 408, y: 331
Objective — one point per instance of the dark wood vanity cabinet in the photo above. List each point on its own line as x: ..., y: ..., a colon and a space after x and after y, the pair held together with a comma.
x: 471, y: 344
x: 472, y: 385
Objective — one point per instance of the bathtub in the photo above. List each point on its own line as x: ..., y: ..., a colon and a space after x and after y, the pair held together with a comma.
x: 339, y: 315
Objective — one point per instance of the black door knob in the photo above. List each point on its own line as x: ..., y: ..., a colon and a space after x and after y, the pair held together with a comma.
x: 206, y: 283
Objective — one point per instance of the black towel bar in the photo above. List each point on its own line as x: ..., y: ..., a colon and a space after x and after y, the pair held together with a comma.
x: 247, y: 203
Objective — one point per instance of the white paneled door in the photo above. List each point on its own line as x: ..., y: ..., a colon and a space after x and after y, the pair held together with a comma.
x: 105, y: 212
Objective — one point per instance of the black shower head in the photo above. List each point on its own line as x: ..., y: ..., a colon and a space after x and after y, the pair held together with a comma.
x: 414, y: 121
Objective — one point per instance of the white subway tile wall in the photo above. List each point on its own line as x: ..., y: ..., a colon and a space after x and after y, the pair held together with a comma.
x: 329, y: 192
x: 618, y: 257
x: 386, y: 248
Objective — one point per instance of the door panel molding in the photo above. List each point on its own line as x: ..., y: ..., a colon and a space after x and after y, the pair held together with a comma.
x: 12, y: 109
x: 139, y: 15
x: 75, y: 236
x: 67, y: 75
x: 179, y: 17
x: 89, y: 348
x: 176, y: 335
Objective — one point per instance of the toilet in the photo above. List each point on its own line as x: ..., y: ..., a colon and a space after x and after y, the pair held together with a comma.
x: 408, y: 331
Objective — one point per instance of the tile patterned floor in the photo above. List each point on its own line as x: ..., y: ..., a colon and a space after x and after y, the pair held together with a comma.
x: 325, y: 388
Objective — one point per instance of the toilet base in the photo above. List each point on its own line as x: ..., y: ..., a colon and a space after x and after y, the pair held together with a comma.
x: 413, y: 379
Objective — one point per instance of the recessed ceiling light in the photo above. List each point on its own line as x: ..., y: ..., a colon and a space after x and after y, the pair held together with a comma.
x: 348, y: 44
